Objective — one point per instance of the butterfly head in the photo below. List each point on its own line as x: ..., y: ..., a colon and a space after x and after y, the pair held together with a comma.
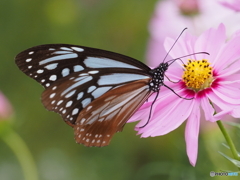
x: 163, y: 66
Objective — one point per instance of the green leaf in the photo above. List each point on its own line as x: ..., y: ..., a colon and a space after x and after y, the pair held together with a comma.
x: 226, y: 146
x: 233, y: 124
x: 234, y: 161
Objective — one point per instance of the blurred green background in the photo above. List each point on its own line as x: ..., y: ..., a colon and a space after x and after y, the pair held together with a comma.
x: 114, y: 25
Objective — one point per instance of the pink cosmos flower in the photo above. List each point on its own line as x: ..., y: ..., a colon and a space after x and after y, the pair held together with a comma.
x: 232, y: 4
x: 172, y: 16
x: 213, y: 80
x: 5, y: 107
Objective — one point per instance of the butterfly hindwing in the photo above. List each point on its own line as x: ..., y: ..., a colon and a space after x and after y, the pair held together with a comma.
x: 70, y: 95
x: 102, y: 118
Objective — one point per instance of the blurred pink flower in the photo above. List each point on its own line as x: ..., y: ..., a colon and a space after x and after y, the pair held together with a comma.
x: 5, y: 107
x: 172, y: 16
x: 232, y: 4
x: 213, y: 80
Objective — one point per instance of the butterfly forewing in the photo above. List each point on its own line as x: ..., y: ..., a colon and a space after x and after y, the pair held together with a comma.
x: 102, y: 118
x: 48, y: 63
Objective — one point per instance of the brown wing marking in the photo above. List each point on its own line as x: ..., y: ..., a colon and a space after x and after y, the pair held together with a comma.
x: 102, y: 118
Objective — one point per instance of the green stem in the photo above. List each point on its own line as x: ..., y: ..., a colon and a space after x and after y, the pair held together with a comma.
x: 229, y: 140
x: 20, y: 149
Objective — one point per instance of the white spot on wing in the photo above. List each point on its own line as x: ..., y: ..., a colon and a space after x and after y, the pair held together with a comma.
x: 93, y: 72
x: 29, y: 67
x: 89, y: 107
x: 61, y: 52
x: 78, y: 49
x: 117, y: 78
x: 80, y: 95
x: 40, y: 71
x: 94, y: 62
x: 77, y: 68
x: 89, y: 78
x: 80, y: 78
x: 65, y: 72
x: 31, y: 52
x: 69, y: 103
x: 85, y: 102
x: 59, y: 102
x: 91, y: 88
x: 74, y: 112
x: 57, y: 58
x: 53, y: 77
x: 47, y: 85
x: 51, y: 66
x: 83, y: 74
x: 55, y: 87
x: 70, y: 94
x: 28, y: 60
x: 66, y: 49
x: 82, y: 121
x: 100, y: 91
x: 52, y: 95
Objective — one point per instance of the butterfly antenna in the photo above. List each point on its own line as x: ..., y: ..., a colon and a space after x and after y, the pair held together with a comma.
x: 174, y: 44
x: 179, y: 58
x: 150, y: 113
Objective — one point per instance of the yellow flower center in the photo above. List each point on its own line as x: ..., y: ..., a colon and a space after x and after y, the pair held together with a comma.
x: 198, y: 74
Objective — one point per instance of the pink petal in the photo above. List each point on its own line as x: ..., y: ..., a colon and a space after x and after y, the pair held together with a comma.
x: 168, y: 118
x: 183, y: 47
x: 234, y: 4
x: 229, y: 90
x: 211, y: 41
x: 233, y: 68
x: 237, y: 33
x: 221, y: 115
x: 165, y: 95
x: 227, y: 94
x: 191, y: 134
x: 233, y: 80
x: 207, y: 108
x: 174, y: 73
x: 5, y: 107
x: 229, y: 54
x: 137, y: 116
x: 234, y: 110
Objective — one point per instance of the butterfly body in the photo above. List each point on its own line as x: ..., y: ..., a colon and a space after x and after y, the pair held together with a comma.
x: 95, y: 91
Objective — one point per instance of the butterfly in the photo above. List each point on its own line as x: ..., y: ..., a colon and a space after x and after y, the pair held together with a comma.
x: 95, y: 91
